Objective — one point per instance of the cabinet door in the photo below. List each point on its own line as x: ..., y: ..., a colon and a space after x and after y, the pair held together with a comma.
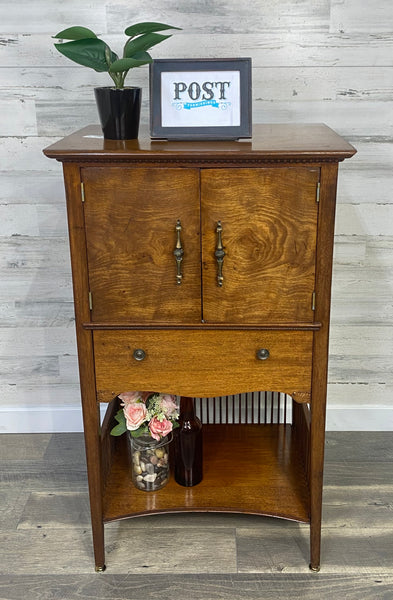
x: 269, y: 225
x: 130, y: 221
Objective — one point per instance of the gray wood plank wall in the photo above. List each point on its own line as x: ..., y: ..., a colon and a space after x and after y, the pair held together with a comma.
x: 313, y: 60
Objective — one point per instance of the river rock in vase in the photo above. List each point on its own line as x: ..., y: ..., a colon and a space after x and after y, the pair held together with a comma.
x: 150, y: 464
x: 188, y: 445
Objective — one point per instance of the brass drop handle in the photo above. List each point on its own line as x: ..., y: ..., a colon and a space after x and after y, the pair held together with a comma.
x: 219, y: 254
x: 139, y: 354
x: 263, y: 354
x: 178, y: 252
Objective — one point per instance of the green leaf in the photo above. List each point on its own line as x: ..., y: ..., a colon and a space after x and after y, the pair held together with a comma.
x: 142, y: 430
x: 118, y: 429
x: 119, y: 416
x: 110, y: 57
x: 86, y: 52
x: 142, y: 56
x: 124, y: 64
x: 121, y: 420
x: 75, y: 33
x: 147, y: 27
x: 143, y: 43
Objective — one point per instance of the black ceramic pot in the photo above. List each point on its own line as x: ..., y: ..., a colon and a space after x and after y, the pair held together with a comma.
x: 119, y: 112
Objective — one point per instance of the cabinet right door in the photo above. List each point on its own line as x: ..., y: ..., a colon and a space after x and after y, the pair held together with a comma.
x: 269, y: 230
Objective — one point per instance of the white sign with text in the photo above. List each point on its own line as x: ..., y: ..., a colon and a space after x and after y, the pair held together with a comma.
x: 200, y: 99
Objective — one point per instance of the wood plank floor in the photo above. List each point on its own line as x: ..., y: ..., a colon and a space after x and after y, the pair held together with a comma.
x: 46, y: 548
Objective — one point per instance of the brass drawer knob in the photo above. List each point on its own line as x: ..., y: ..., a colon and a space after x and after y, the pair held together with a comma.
x: 263, y: 354
x: 139, y: 354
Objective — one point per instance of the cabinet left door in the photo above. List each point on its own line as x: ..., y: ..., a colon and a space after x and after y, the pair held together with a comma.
x: 130, y: 220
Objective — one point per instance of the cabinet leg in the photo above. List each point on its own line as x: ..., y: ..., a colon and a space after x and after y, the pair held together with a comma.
x: 94, y: 474
x: 316, y: 506
x: 99, y: 546
x: 315, y: 546
x: 316, y: 483
x: 96, y: 516
x: 328, y: 178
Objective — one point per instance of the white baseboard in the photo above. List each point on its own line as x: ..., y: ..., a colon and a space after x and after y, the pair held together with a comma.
x: 41, y: 419
x: 68, y: 418
x: 61, y: 418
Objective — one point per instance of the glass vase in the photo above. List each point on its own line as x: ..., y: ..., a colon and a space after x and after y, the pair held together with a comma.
x: 150, y: 462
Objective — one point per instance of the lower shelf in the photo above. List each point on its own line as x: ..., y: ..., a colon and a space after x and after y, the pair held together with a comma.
x: 255, y: 469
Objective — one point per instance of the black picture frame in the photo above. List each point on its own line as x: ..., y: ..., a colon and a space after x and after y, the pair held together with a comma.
x: 177, y: 88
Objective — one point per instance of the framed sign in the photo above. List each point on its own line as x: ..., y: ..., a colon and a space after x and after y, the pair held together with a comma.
x: 200, y: 99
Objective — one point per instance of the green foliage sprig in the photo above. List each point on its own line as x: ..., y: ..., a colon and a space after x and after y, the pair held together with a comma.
x: 86, y: 49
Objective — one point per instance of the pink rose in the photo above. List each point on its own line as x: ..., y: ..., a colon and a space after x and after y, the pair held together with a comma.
x: 130, y: 397
x: 135, y: 414
x: 159, y: 429
x: 168, y: 404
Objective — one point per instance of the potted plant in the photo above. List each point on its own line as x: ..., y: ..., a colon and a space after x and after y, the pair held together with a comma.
x: 118, y: 106
x: 150, y: 418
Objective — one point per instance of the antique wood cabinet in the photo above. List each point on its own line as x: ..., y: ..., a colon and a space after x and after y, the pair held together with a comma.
x: 203, y: 269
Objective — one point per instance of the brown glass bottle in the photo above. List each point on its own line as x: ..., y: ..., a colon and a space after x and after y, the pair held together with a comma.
x: 188, y: 445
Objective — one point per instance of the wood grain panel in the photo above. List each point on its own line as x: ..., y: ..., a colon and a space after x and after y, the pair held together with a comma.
x: 351, y: 118
x: 27, y: 22
x: 316, y: 36
x: 38, y: 187
x: 46, y: 220
x: 130, y: 217
x: 376, y: 16
x: 207, y: 581
x: 18, y: 117
x: 202, y: 363
x: 365, y: 219
x: 273, y: 48
x: 269, y: 221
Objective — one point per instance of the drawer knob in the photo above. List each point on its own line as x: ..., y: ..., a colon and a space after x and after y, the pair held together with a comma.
x: 263, y: 354
x: 139, y: 354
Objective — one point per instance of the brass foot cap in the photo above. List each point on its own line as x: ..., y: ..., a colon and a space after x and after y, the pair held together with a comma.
x: 315, y: 569
x: 100, y: 569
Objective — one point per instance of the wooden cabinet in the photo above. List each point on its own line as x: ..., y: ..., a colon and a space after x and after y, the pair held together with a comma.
x: 257, y: 321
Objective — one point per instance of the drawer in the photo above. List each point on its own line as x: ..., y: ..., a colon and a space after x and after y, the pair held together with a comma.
x: 202, y: 363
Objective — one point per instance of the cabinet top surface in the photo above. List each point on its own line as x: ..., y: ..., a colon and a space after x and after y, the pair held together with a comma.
x: 270, y: 142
